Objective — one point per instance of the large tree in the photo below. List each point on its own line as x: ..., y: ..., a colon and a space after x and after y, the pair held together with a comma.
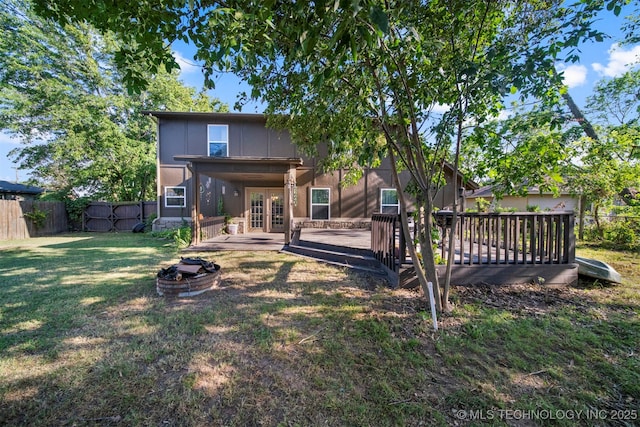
x: 62, y: 96
x: 364, y: 75
x: 610, y: 165
x: 592, y: 152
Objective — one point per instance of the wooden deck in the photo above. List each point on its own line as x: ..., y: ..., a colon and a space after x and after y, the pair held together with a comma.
x: 489, y: 248
x: 348, y: 238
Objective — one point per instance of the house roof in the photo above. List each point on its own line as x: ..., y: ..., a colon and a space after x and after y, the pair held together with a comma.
x: 220, y: 116
x: 14, y: 188
x: 468, y: 184
x: 263, y: 169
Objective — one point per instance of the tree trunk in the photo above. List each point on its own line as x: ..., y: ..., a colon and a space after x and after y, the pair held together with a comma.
x: 425, y: 270
x: 578, y: 116
x: 454, y: 223
x: 596, y: 218
x: 583, y: 208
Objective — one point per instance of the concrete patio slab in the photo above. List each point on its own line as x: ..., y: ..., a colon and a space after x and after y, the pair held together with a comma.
x: 241, y: 242
x: 360, y: 239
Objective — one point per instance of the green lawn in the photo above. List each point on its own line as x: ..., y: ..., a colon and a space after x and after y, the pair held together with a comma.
x: 85, y: 340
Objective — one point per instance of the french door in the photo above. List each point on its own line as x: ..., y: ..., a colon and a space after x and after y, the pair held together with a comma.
x: 266, y: 209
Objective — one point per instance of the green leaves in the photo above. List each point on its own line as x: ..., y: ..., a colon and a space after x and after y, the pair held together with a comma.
x: 82, y: 132
x: 614, y: 6
x: 379, y: 18
x: 369, y: 77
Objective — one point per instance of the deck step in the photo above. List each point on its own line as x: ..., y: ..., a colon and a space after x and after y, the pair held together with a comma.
x: 356, y: 259
x: 336, y: 248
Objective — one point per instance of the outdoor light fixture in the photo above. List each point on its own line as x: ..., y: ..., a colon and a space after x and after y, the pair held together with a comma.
x: 236, y: 193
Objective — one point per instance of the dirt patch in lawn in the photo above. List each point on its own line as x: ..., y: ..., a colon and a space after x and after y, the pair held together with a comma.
x: 355, y: 350
x: 286, y: 341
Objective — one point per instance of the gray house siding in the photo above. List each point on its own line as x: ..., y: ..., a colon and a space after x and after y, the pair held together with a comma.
x: 229, y: 185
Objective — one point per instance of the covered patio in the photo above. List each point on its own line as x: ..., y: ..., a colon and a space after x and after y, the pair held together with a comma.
x: 246, y: 173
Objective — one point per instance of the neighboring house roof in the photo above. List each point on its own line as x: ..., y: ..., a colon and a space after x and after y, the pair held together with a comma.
x: 487, y: 191
x: 13, y: 188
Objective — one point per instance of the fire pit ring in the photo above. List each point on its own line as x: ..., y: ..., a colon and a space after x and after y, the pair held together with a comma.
x: 190, y: 277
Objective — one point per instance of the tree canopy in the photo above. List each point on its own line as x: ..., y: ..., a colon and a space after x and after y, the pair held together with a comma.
x: 368, y: 76
x: 64, y: 98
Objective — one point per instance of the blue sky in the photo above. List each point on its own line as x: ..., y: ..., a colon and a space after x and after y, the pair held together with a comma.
x: 598, y: 60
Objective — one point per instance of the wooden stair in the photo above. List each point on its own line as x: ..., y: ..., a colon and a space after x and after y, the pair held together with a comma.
x: 361, y: 260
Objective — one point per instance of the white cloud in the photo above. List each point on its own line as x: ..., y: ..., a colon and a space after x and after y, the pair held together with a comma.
x: 504, y: 115
x: 6, y: 139
x: 186, y: 66
x: 620, y: 60
x: 440, y: 108
x: 573, y: 75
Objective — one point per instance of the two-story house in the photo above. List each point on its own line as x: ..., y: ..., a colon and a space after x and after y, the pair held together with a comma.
x: 215, y: 164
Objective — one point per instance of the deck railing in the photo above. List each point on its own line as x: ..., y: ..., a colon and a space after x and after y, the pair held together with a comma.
x: 211, y: 227
x: 511, y: 238
x: 485, y: 238
x: 383, y: 239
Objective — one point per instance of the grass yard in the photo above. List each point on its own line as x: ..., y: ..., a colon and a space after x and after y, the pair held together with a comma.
x: 85, y: 340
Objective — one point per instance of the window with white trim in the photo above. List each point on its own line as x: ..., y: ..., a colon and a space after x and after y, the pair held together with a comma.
x: 389, y: 203
x: 320, y: 203
x: 218, y: 140
x: 175, y: 197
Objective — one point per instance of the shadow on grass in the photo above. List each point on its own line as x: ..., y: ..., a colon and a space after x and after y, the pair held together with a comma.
x: 289, y: 341
x: 49, y: 289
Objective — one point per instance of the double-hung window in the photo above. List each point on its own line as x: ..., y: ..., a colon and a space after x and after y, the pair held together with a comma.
x: 320, y: 203
x: 175, y: 197
x: 389, y: 203
x: 218, y: 140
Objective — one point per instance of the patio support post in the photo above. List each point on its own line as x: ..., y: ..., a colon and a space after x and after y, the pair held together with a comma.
x: 289, y: 188
x: 195, y: 205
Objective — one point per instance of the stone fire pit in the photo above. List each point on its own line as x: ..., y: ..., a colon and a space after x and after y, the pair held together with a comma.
x: 190, y: 277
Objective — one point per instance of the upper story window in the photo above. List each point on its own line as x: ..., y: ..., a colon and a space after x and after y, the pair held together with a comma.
x: 218, y: 140
x: 320, y: 198
x: 389, y: 203
x: 175, y: 197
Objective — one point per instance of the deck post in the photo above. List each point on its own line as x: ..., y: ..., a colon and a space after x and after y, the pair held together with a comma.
x: 195, y: 206
x: 402, y: 245
x: 289, y: 188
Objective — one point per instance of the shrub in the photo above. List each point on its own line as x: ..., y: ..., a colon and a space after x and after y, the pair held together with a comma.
x: 148, y: 222
x: 37, y: 217
x: 181, y: 236
x: 622, y: 233
x: 75, y: 210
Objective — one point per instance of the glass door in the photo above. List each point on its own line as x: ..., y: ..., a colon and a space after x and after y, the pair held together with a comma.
x: 266, y: 210
x: 276, y: 220
x: 256, y: 211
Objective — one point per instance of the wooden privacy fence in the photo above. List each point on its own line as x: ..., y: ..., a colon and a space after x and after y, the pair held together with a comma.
x: 19, y: 219
x: 105, y: 216
x: 511, y: 238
